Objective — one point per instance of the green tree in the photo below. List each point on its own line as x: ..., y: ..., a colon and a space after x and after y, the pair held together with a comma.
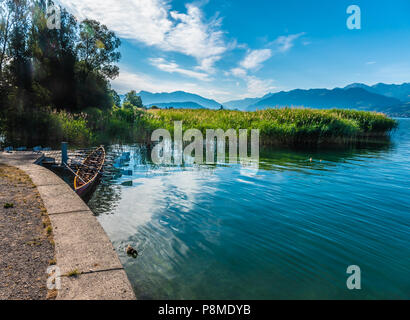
x: 55, y: 59
x: 20, y: 64
x: 97, y: 49
x: 135, y: 100
x: 97, y: 53
x: 116, y: 98
x: 5, y: 29
x: 43, y: 69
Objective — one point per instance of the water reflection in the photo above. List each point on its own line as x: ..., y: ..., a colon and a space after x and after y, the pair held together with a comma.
x: 147, y: 177
x: 288, y: 231
x: 319, y: 158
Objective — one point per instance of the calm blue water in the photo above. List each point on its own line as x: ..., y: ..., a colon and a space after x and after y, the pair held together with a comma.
x: 290, y: 231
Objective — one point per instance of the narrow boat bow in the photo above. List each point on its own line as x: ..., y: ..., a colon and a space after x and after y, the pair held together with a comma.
x: 87, y: 174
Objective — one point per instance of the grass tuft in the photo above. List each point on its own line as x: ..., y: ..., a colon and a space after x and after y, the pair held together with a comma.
x: 73, y: 273
x: 49, y: 230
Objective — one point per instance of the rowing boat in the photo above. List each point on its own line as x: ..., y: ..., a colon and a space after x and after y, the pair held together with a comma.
x: 89, y: 171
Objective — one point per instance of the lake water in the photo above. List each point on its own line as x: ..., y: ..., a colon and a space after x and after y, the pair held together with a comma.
x: 290, y: 231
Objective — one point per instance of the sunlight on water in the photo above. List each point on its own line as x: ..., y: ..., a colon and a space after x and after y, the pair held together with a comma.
x: 289, y: 230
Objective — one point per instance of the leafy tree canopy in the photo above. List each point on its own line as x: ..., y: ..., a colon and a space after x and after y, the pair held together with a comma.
x: 44, y: 68
x: 135, y: 100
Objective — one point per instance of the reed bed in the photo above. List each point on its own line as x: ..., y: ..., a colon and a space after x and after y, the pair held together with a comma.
x: 283, y: 125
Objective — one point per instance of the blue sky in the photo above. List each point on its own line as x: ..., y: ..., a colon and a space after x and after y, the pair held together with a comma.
x: 232, y: 49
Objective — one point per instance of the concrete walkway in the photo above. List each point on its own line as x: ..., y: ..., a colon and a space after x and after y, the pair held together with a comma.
x: 81, y: 244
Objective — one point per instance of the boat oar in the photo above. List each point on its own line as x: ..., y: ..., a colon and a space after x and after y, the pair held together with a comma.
x: 74, y: 173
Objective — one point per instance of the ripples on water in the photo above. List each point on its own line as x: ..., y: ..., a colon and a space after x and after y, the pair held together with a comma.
x: 290, y: 231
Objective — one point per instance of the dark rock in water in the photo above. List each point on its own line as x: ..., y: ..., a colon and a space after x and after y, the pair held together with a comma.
x: 127, y: 184
x: 131, y: 251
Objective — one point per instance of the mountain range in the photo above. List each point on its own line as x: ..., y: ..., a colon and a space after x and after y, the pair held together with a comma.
x: 149, y: 98
x: 244, y: 103
x: 388, y: 98
x: 351, y: 98
x: 177, y: 105
x: 401, y: 92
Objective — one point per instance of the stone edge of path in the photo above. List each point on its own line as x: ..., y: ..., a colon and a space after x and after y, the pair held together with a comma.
x: 81, y: 245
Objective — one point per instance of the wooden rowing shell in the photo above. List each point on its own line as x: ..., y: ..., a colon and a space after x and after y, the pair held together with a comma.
x: 89, y: 171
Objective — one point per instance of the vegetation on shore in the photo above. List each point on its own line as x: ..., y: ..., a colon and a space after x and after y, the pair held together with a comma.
x: 285, y: 125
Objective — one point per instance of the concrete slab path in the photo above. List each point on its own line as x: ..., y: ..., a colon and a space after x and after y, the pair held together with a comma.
x: 81, y: 245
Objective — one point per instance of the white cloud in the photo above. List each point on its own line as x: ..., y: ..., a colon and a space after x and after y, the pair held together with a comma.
x: 192, y: 36
x: 255, y: 87
x: 153, y: 23
x: 258, y: 87
x: 285, y: 43
x: 370, y: 62
x: 238, y: 72
x: 143, y: 20
x: 255, y: 58
x: 207, y: 64
x: 172, y: 67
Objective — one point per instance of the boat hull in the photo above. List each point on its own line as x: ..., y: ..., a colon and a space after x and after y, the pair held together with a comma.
x: 84, y: 189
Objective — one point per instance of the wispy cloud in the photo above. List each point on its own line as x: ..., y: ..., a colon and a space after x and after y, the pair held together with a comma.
x: 172, y: 67
x: 285, y: 43
x: 255, y: 58
x: 207, y: 64
x: 153, y: 23
x: 258, y: 87
x: 370, y: 63
x: 238, y: 72
x: 255, y: 87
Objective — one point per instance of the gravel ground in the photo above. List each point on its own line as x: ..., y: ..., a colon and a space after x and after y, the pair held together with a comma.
x: 26, y: 245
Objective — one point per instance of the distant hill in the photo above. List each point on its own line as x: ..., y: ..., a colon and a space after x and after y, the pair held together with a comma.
x: 149, y: 98
x: 401, y: 111
x: 178, y: 105
x: 244, y: 103
x: 398, y: 91
x: 241, y: 104
x: 351, y: 98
